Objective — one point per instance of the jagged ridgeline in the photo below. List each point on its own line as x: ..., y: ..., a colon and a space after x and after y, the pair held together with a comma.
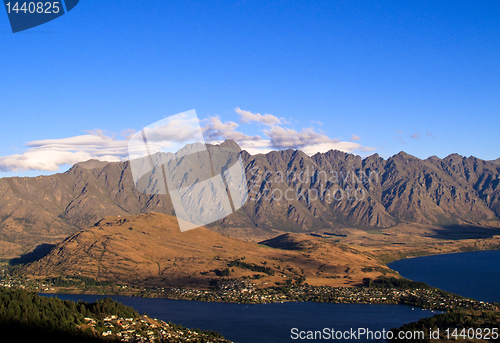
x: 31, y: 317
x: 288, y: 191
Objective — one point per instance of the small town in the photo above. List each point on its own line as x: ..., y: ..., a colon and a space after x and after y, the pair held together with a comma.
x: 243, y: 291
x: 432, y: 299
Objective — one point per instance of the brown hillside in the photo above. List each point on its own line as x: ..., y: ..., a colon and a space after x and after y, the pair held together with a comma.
x: 149, y: 249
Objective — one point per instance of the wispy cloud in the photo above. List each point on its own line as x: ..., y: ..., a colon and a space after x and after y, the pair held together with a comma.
x: 399, y: 136
x: 248, y: 117
x: 41, y: 160
x: 283, y: 138
x: 50, y: 154
x: 276, y: 136
x: 355, y: 138
x: 215, y: 130
x: 416, y: 135
x: 179, y: 128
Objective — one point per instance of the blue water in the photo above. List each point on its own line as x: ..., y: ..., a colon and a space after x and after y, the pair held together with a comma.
x: 469, y: 274
x: 268, y: 323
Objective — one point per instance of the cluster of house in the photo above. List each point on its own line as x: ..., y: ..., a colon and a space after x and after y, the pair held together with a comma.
x: 431, y: 298
x: 146, y: 329
x: 235, y: 291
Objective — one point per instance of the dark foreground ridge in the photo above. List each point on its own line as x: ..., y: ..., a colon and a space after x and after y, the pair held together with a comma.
x: 464, y: 326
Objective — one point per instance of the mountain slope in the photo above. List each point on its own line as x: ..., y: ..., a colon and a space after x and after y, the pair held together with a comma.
x: 150, y: 250
x: 402, y: 188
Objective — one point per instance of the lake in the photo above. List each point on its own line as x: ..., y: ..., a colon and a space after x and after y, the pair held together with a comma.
x: 268, y: 323
x: 469, y: 274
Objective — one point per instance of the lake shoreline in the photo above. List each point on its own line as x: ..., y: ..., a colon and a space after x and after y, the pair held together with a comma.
x: 431, y: 298
x: 441, y: 254
x: 138, y: 291
x: 473, y: 274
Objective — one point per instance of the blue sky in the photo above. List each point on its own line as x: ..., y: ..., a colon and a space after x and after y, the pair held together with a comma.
x: 366, y: 77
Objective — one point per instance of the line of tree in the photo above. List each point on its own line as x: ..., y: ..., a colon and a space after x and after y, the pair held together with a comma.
x: 251, y: 266
x: 76, y: 281
x: 222, y: 272
x: 392, y: 282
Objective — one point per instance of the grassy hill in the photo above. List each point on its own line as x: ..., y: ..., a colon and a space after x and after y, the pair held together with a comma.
x: 150, y: 250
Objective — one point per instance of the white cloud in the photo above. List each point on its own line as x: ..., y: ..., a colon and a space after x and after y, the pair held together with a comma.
x: 179, y: 128
x: 324, y: 147
x: 255, y: 147
x: 248, y: 117
x: 127, y: 134
x: 216, y: 130
x: 283, y: 138
x: 277, y: 136
x: 49, y: 160
x: 50, y: 154
x: 97, y: 144
x: 309, y: 141
x: 355, y: 138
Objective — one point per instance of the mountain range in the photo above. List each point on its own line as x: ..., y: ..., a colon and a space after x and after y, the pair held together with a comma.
x: 289, y: 191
